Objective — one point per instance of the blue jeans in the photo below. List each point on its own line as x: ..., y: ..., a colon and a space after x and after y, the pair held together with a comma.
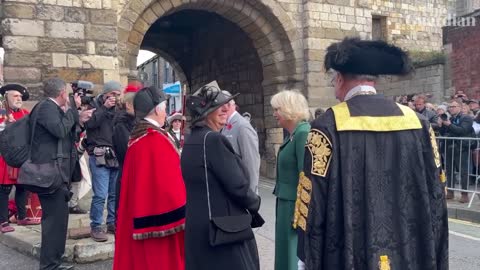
x: 103, y: 185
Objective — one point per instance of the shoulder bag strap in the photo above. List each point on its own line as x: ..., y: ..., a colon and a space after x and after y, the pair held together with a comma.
x: 206, y: 175
x: 34, y: 115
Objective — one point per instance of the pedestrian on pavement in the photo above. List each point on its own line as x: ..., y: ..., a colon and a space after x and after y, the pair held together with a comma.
x: 175, y: 128
x: 371, y: 196
x: 56, y: 120
x: 14, y: 95
x: 218, y: 188
x: 123, y: 124
x: 290, y: 109
x: 103, y: 161
x: 244, y: 140
x: 151, y: 216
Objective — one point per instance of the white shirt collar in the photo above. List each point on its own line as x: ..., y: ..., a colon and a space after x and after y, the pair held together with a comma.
x: 153, y: 122
x: 231, y: 116
x: 55, y: 101
x: 359, y: 89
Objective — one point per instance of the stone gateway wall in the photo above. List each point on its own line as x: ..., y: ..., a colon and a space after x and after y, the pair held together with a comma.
x: 256, y: 48
x: 70, y: 39
x: 428, y: 80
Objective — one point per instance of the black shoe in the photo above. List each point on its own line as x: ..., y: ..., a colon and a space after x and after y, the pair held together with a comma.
x: 77, y: 210
x: 98, y: 235
x: 66, y: 267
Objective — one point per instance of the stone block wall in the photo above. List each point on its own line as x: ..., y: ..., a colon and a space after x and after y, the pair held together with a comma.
x: 274, y: 44
x: 426, y: 80
x: 413, y: 25
x: 72, y: 39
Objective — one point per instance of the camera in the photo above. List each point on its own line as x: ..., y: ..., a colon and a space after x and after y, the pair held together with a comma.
x: 84, y: 89
x: 444, y: 116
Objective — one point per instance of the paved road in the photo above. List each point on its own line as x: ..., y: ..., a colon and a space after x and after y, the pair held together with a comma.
x: 464, y: 244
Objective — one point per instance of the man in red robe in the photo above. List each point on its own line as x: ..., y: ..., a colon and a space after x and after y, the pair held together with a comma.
x: 151, y: 215
x: 14, y: 95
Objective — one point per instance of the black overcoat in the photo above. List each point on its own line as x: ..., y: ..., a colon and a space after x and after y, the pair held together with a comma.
x: 229, y: 195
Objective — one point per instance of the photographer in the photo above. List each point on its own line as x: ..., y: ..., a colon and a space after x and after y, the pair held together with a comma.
x: 456, y: 152
x: 102, y: 161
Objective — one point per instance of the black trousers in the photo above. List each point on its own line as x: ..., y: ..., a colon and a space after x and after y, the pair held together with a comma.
x: 54, y: 227
x: 20, y: 201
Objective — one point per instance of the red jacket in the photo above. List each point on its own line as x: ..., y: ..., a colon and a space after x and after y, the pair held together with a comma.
x: 8, y: 174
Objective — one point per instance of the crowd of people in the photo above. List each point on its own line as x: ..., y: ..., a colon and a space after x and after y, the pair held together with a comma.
x: 358, y: 187
x: 457, y: 122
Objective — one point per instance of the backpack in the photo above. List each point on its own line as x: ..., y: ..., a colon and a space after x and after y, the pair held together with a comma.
x: 15, y: 141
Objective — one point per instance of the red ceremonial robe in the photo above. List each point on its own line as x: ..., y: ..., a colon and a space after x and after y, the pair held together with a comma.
x: 8, y: 175
x: 151, y: 215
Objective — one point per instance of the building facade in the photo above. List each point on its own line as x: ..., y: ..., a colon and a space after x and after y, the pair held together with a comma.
x: 255, y: 48
x: 156, y: 72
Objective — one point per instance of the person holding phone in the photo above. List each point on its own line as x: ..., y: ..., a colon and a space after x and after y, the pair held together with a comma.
x: 103, y: 162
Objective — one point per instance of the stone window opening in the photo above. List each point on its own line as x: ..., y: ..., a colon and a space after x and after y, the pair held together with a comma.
x: 379, y: 27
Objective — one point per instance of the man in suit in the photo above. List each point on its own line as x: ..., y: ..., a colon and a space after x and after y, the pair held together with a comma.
x: 56, y: 120
x: 244, y: 140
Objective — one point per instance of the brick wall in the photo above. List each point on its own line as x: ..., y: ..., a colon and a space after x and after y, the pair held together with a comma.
x: 464, y: 57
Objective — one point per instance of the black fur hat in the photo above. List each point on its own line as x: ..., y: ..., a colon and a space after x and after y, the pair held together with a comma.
x: 367, y: 57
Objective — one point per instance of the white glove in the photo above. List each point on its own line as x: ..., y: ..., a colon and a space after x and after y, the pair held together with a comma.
x: 301, y: 265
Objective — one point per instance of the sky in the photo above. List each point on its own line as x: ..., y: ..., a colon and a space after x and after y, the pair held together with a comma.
x: 144, y: 56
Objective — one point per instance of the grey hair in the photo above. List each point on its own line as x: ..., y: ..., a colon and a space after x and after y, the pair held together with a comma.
x: 362, y: 77
x: 53, y: 87
x: 161, y: 106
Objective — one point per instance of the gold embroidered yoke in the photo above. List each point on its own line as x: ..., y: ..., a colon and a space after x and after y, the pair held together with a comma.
x: 370, y: 193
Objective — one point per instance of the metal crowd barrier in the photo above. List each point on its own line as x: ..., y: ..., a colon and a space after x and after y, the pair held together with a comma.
x: 461, y: 164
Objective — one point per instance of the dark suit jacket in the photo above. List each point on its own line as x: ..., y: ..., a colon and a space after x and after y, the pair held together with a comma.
x: 52, y: 125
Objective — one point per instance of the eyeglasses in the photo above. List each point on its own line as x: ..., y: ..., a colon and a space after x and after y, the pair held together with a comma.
x: 333, y: 79
x: 453, y: 106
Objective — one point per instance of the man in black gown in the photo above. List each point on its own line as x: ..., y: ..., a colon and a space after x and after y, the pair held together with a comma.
x: 371, y: 196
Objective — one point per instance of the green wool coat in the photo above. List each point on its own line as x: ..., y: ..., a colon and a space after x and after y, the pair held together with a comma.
x: 289, y: 165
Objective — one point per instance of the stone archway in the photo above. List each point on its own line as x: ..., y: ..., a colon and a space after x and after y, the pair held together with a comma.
x: 273, y: 38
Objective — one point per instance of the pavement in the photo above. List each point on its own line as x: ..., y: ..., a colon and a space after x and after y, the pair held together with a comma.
x: 462, y: 211
x: 19, y: 250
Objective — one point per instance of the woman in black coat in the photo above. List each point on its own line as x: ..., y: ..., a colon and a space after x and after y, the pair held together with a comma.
x: 229, y: 190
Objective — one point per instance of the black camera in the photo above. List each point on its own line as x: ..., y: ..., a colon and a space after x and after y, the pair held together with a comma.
x: 84, y: 89
x: 444, y: 116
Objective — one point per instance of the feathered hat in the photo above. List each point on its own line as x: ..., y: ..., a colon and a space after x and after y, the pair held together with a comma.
x: 367, y: 57
x: 206, y: 100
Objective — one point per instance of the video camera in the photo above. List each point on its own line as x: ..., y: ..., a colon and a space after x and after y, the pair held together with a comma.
x: 84, y: 89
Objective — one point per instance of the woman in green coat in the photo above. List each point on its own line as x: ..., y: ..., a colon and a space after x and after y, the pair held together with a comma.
x: 291, y: 112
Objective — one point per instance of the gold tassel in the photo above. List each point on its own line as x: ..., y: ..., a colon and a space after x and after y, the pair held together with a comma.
x: 443, y: 177
x: 384, y: 263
